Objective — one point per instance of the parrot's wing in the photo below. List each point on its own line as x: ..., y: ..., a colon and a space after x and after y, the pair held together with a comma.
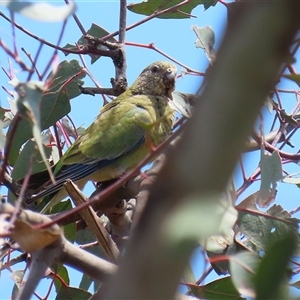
x: 115, y: 132
x: 119, y: 129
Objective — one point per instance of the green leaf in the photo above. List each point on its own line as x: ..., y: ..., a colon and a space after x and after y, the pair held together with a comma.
x: 208, y: 3
x: 272, y: 274
x: 293, y: 77
x: 296, y: 284
x: 28, y: 104
x: 55, y: 104
x: 95, y: 31
x: 71, y: 293
x: 29, y: 151
x: 242, y: 268
x: 2, y: 136
x: 70, y: 229
x: 188, y: 275
x: 151, y: 6
x: 62, y: 271
x: 200, y: 217
x: 85, y: 282
x: 2, y: 113
x: 69, y: 75
x: 40, y: 11
x: 263, y: 230
x: 85, y: 236
x: 216, y: 290
x: 217, y: 246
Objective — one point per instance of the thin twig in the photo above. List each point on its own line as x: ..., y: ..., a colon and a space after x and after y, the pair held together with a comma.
x: 17, y: 59
x: 153, y: 47
x: 18, y: 203
x: 154, y: 15
x: 60, y: 152
x: 76, y: 19
x: 33, y: 62
x: 8, y: 143
x: 50, y: 62
x: 83, y: 50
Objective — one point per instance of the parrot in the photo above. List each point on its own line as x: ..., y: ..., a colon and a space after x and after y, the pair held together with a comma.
x: 120, y: 137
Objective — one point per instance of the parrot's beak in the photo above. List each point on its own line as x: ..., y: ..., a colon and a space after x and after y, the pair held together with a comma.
x: 171, y: 78
x: 176, y: 103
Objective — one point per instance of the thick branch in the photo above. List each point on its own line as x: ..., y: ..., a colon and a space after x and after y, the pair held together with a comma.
x: 255, y: 46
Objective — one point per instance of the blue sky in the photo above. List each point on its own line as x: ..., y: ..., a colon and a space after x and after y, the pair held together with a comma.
x: 174, y: 37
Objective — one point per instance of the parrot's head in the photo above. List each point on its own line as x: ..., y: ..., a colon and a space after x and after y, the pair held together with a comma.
x: 157, y: 79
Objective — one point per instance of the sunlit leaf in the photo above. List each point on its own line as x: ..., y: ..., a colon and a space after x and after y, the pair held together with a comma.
x: 205, y: 41
x: 201, y: 216
x: 291, y: 180
x: 242, y: 268
x: 219, y: 246
x: 271, y: 172
x: 249, y: 202
x: 188, y: 275
x: 80, y: 130
x: 183, y: 103
x: 269, y: 104
x: 40, y: 11
x: 17, y: 277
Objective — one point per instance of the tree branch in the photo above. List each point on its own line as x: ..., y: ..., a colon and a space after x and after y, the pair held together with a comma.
x: 195, y: 168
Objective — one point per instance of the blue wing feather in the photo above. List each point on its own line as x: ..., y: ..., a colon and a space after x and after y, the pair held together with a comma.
x: 77, y: 172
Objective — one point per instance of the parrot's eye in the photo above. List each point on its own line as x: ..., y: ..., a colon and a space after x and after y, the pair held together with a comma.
x: 154, y: 69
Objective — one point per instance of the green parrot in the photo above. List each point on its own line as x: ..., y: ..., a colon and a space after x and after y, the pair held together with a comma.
x: 120, y: 137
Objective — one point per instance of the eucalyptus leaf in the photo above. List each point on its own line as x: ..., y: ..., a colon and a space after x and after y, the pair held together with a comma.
x: 151, y: 6
x: 95, y: 31
x: 54, y: 105
x: 40, y: 11
x: 28, y: 104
